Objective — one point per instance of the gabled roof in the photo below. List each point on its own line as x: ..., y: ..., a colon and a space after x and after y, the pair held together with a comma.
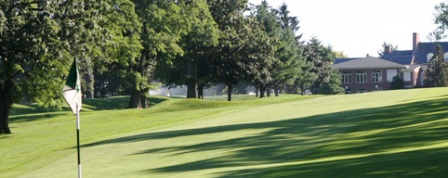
x: 423, y: 49
x: 368, y: 63
x: 402, y: 57
x: 341, y: 60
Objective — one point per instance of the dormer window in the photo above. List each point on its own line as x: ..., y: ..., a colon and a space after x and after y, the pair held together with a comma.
x: 429, y: 57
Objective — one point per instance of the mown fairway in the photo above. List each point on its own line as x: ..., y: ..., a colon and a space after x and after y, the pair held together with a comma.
x: 385, y: 134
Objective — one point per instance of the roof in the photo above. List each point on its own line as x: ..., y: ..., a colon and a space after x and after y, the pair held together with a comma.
x: 401, y: 57
x: 341, y: 60
x: 368, y: 63
x: 423, y: 49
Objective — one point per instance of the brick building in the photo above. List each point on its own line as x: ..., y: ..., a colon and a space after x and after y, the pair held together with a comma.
x: 413, y: 66
x: 367, y: 74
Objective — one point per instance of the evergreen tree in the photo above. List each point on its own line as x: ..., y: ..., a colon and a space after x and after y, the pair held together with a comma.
x: 334, y: 84
x: 291, y: 59
x: 397, y: 83
x: 437, y: 72
x: 322, y: 58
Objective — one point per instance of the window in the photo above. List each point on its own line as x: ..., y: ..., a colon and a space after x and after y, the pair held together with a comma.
x: 377, y: 77
x: 361, y: 77
x: 391, y: 73
x: 429, y: 57
x: 346, y: 77
x: 407, y: 76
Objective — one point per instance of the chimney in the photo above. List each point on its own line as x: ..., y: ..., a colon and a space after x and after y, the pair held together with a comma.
x: 388, y: 49
x: 415, y: 40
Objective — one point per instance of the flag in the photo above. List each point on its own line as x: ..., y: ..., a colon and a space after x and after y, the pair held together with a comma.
x: 72, y: 89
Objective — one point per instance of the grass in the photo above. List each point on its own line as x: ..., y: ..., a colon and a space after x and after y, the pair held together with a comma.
x: 384, y: 134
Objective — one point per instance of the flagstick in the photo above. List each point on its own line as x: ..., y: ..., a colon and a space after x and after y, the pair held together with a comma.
x: 78, y: 125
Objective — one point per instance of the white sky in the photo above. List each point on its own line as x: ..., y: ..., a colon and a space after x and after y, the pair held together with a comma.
x: 359, y: 27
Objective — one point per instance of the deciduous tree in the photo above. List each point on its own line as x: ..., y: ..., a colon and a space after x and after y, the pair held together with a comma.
x: 38, y: 41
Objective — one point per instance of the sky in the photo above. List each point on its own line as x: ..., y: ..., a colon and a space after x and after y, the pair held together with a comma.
x: 359, y: 27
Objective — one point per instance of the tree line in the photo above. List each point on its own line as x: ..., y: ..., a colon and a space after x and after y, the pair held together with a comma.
x: 124, y: 45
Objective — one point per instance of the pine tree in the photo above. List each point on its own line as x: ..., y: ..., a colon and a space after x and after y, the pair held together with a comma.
x: 437, y: 72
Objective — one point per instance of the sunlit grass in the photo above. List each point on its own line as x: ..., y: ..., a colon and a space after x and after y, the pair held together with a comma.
x: 384, y: 134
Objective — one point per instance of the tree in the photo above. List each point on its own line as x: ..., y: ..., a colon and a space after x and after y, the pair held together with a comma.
x: 105, y: 66
x: 268, y: 41
x: 437, y: 72
x: 163, y: 24
x: 173, y: 34
x: 39, y: 40
x: 322, y: 58
x: 397, y: 83
x: 202, y: 34
x: 291, y: 59
x: 441, y: 20
x: 339, y: 54
x: 333, y: 86
x: 386, y: 48
x: 228, y: 58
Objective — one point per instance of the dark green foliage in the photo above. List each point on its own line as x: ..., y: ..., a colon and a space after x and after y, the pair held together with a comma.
x: 174, y: 36
x: 39, y: 40
x: 291, y: 59
x: 229, y: 59
x: 397, y: 83
x: 202, y: 35
x: 123, y: 45
x: 321, y: 59
x: 437, y: 72
x: 267, y: 42
x: 163, y: 24
x: 334, y: 84
x: 35, y: 53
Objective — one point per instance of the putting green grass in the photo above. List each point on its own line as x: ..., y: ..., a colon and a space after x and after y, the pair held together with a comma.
x: 384, y: 134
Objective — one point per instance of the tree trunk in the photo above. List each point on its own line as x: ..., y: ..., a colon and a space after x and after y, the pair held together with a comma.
x: 268, y: 92
x: 144, y: 100
x: 229, y: 92
x: 191, y: 79
x: 276, y: 91
x: 302, y: 89
x: 200, y: 91
x: 256, y: 92
x: 5, y: 106
x: 4, y: 116
x: 136, y: 100
x: 262, y: 90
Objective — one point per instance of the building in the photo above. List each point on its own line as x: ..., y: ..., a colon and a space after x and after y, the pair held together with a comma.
x: 409, y: 65
x: 367, y: 74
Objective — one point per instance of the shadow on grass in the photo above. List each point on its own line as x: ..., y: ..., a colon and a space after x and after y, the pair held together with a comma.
x: 407, y: 140
x: 34, y: 117
x: 120, y: 102
x: 34, y: 112
x: 116, y: 102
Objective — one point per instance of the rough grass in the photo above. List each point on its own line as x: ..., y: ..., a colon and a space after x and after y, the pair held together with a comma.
x: 384, y: 134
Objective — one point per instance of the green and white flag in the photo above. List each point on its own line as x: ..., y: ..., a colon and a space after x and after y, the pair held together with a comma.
x: 72, y: 89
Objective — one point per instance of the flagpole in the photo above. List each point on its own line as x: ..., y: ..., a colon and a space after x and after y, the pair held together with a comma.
x: 78, y: 125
